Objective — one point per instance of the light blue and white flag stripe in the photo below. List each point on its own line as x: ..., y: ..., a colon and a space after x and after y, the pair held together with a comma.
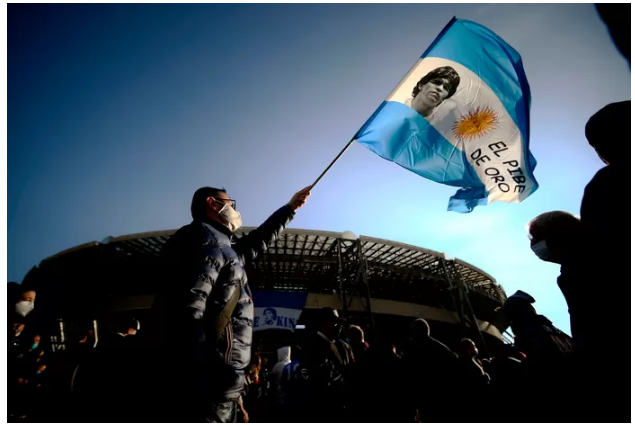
x: 461, y: 117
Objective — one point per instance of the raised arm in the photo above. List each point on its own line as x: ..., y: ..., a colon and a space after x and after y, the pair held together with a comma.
x: 257, y: 241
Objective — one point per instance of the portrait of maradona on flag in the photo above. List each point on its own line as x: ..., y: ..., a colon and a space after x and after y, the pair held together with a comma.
x: 432, y: 89
x: 453, y: 100
x: 436, y: 88
x: 460, y: 117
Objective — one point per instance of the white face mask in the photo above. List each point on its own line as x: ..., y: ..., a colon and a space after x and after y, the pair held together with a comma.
x: 541, y: 250
x: 231, y: 217
x: 24, y: 307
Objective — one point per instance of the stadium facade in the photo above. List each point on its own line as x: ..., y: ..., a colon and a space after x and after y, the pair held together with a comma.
x: 376, y: 283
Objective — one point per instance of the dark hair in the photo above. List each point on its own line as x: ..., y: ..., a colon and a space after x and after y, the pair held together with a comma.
x: 608, y: 128
x: 199, y: 201
x: 446, y: 72
x: 466, y: 343
x: 420, y: 328
x: 356, y: 332
x: 273, y: 311
x: 554, y: 223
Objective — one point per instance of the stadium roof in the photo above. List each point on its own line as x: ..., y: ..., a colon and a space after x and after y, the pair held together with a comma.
x: 301, y: 257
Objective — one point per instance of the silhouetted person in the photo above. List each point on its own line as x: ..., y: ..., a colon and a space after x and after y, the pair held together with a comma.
x: 429, y: 375
x: 385, y: 396
x: 508, y: 377
x: 604, y: 220
x: 556, y: 237
x: 617, y: 17
x: 204, y: 312
x: 362, y: 374
x: 360, y: 347
x: 471, y: 372
x: 319, y: 388
x: 472, y: 382
x: 609, y: 132
x: 550, y: 358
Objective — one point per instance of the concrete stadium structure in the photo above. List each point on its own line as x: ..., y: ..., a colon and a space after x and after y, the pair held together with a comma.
x: 377, y: 283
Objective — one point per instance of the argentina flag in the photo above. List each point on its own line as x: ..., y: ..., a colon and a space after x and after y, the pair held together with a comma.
x: 461, y: 117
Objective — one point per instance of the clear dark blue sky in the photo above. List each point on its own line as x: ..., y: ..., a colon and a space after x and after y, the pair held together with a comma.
x: 117, y: 113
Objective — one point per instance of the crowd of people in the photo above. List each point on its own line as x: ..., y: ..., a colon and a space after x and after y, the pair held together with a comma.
x: 329, y: 379
x: 197, y: 364
x: 58, y: 373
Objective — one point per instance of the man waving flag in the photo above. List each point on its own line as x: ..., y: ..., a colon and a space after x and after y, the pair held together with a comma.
x: 461, y: 117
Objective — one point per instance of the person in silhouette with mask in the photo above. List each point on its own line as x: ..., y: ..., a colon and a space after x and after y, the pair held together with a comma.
x: 203, y: 315
x: 22, y: 319
x: 556, y: 237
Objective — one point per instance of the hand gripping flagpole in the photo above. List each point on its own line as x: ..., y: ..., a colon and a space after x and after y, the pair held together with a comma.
x: 348, y: 145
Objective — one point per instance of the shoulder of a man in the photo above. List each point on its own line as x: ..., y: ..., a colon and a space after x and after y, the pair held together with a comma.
x: 197, y: 233
x: 444, y: 349
x: 600, y: 186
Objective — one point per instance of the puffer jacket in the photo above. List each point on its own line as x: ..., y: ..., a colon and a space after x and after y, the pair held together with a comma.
x: 204, y: 265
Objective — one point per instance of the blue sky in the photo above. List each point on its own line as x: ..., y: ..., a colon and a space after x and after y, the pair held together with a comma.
x: 117, y: 113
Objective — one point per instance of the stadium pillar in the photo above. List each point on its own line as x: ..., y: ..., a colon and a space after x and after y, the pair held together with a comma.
x: 364, y: 269
x: 340, y: 278
x: 457, y: 305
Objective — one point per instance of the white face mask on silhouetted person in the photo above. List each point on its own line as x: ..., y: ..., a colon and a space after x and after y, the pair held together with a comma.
x: 24, y: 307
x: 231, y: 218
x: 541, y: 250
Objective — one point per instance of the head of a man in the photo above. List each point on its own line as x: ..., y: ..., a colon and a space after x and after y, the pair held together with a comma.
x: 609, y: 132
x: 519, y: 311
x: 26, y: 302
x: 330, y: 322
x: 435, y: 87
x: 468, y: 348
x: 269, y: 315
x: 419, y: 329
x: 355, y: 334
x: 554, y: 236
x: 210, y: 203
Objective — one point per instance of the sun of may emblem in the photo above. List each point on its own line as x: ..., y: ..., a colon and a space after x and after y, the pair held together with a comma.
x: 475, y: 124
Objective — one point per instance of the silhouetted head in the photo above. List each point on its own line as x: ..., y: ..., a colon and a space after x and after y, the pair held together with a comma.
x: 519, y: 310
x: 330, y: 322
x: 355, y: 334
x: 609, y: 132
x: 419, y: 329
x: 468, y: 348
x: 554, y: 236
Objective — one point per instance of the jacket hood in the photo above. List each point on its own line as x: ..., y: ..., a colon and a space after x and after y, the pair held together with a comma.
x: 284, y: 354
